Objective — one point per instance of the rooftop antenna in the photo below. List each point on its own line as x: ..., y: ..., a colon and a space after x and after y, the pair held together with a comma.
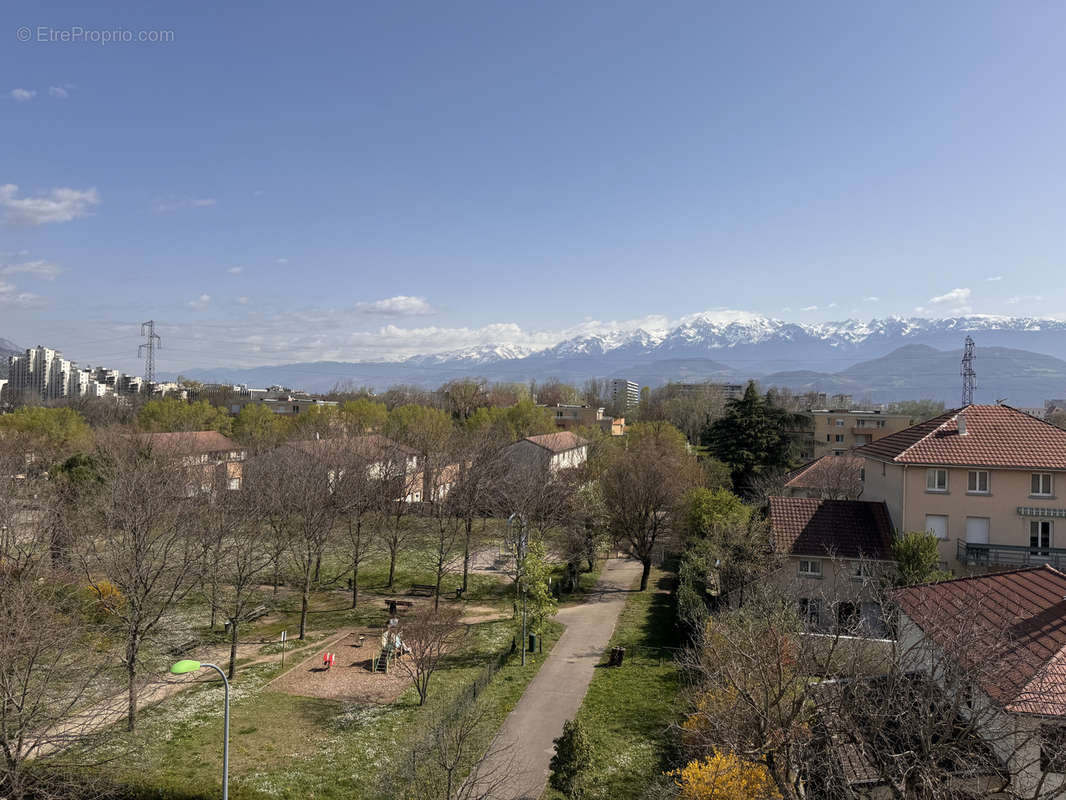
x: 148, y: 348
x: 969, y: 377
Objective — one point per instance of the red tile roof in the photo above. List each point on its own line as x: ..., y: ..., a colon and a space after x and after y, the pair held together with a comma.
x: 558, y: 442
x: 805, y: 526
x: 189, y: 443
x: 1017, y: 649
x: 822, y: 471
x: 996, y: 436
x: 371, y: 445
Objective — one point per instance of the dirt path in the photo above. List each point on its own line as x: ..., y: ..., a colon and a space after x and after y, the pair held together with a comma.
x: 525, y: 741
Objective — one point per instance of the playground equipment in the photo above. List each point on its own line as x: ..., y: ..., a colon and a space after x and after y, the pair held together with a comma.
x: 392, y: 647
x: 328, y: 660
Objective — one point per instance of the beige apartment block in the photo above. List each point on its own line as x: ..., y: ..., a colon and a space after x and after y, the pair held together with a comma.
x: 989, y: 481
x: 838, y: 430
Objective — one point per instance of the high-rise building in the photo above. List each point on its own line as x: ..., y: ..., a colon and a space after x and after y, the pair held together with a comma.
x: 45, y: 373
x: 625, y: 394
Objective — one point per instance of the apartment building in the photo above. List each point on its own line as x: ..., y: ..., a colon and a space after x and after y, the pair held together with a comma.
x: 837, y: 430
x: 44, y: 372
x: 985, y: 479
x: 569, y: 417
x: 625, y: 394
x: 210, y: 459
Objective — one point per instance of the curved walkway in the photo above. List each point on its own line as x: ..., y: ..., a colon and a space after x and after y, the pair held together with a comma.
x: 523, y: 747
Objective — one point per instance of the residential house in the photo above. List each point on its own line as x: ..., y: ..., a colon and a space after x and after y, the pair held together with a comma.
x: 985, y: 479
x: 384, y: 459
x: 569, y: 417
x: 556, y: 451
x: 210, y: 458
x: 1006, y: 632
x: 834, y: 553
x: 837, y: 430
x: 828, y: 477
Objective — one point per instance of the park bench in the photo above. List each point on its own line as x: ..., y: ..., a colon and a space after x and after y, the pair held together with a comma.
x: 404, y: 603
x: 426, y: 589
x: 184, y: 647
x: 250, y: 616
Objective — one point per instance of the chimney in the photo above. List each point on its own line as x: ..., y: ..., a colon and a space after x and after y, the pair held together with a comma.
x: 962, y: 424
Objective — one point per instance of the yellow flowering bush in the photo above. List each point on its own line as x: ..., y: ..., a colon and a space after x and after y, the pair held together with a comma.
x: 723, y: 776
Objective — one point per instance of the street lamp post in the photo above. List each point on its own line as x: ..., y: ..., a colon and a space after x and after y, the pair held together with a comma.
x: 183, y: 667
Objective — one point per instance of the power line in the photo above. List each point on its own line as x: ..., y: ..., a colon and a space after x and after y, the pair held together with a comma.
x: 148, y: 348
x: 969, y: 377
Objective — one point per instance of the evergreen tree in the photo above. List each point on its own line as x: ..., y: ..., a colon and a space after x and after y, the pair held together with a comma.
x: 573, y: 757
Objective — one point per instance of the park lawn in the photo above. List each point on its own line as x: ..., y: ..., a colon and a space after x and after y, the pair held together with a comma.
x: 287, y: 746
x: 628, y: 711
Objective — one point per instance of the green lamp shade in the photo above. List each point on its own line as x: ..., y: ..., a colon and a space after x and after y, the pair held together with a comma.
x: 185, y: 666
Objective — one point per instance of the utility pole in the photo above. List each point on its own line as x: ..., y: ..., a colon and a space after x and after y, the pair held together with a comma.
x: 148, y: 348
x: 969, y: 377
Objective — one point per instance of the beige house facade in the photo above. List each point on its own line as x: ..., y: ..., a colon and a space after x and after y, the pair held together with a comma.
x: 988, y: 481
x: 838, y: 430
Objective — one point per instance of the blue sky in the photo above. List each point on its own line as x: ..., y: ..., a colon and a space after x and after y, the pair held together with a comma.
x: 284, y: 182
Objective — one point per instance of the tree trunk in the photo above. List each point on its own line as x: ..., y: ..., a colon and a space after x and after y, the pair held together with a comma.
x: 232, y: 649
x: 355, y: 585
x: 436, y: 594
x: 305, y: 598
x: 318, y: 565
x: 466, y: 552
x: 131, y: 686
x: 645, y: 571
x: 392, y: 564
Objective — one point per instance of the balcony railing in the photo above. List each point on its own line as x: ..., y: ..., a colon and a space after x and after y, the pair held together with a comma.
x: 1010, y: 555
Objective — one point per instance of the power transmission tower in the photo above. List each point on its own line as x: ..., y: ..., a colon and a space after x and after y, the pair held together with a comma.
x: 148, y: 348
x: 969, y: 377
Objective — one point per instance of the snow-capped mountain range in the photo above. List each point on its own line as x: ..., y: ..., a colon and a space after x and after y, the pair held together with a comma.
x: 1021, y: 358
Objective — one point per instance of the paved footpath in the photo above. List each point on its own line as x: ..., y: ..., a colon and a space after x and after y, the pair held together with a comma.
x: 523, y: 747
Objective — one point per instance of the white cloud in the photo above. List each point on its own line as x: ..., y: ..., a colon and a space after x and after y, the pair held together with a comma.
x: 9, y: 295
x: 871, y: 299
x: 58, y: 205
x: 786, y: 309
x: 244, y: 300
x: 258, y: 193
x: 235, y: 270
x: 809, y: 308
x: 995, y: 278
x: 957, y: 301
x: 39, y: 268
x: 58, y: 92
x: 283, y: 261
x: 1025, y: 298
x: 22, y: 95
x: 174, y: 202
x: 199, y: 302
x: 399, y: 306
x: 831, y: 305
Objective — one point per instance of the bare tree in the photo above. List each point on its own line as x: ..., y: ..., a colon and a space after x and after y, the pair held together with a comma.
x: 643, y: 485
x: 48, y: 673
x: 361, y: 497
x: 428, y: 638
x: 293, y: 488
x: 478, y: 467
x: 145, y: 545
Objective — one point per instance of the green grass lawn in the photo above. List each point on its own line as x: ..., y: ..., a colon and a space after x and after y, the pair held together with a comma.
x: 284, y: 746
x: 628, y: 711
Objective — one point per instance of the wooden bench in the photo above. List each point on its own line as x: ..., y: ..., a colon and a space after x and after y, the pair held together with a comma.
x: 184, y: 647
x: 404, y: 603
x: 250, y: 616
x: 426, y: 589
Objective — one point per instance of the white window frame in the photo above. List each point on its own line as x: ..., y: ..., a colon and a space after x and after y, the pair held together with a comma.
x: 973, y: 481
x: 932, y: 486
x: 810, y: 567
x: 947, y: 523
x: 862, y: 571
x: 1038, y: 478
x: 840, y: 423
x: 1039, y: 526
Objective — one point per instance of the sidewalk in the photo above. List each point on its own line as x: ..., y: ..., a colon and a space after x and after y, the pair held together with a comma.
x: 523, y: 747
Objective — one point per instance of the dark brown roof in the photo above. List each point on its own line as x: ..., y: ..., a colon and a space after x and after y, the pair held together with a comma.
x: 371, y: 446
x: 558, y: 442
x: 822, y: 471
x: 1018, y: 650
x: 847, y: 528
x: 996, y: 436
x: 189, y: 443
